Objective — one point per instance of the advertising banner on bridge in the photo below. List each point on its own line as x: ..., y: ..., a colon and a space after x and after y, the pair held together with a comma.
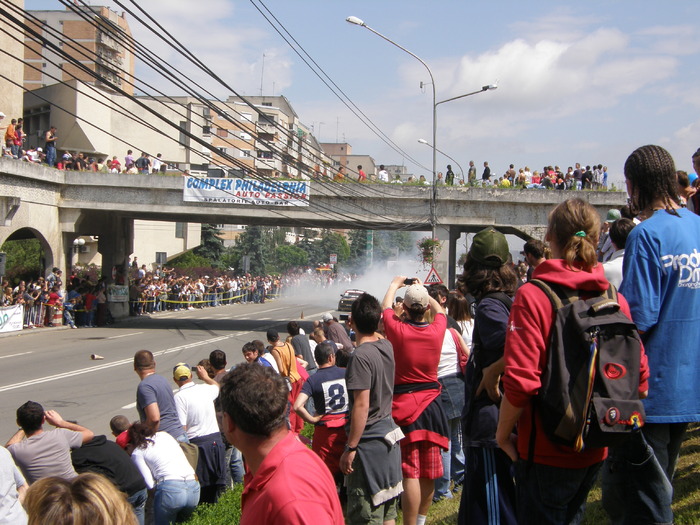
x: 11, y: 318
x: 246, y: 191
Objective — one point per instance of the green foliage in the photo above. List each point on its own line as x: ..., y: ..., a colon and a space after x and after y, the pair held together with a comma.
x: 189, y: 260
x: 288, y: 256
x: 358, y: 248
x: 226, y: 511
x: 255, y: 242
x: 212, y: 246
x: 389, y: 245
x: 334, y: 243
x: 24, y: 259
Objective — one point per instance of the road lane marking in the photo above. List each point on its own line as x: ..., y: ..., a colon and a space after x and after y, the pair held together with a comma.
x: 124, y: 335
x: 104, y: 366
x: 14, y: 355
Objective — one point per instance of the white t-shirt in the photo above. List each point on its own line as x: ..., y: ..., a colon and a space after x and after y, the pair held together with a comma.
x: 449, y: 359
x: 162, y: 459
x: 11, y: 510
x: 195, y: 409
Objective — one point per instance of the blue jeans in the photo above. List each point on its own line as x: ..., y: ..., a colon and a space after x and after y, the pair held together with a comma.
x: 452, y: 397
x: 235, y: 465
x: 175, y: 500
x: 639, y: 473
x: 552, y: 495
x: 50, y: 156
x: 138, y: 502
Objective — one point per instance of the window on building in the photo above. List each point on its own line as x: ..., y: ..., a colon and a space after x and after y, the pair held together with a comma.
x: 264, y: 118
x: 246, y: 136
x: 221, y: 132
x: 223, y: 151
x: 247, y: 116
x: 268, y: 104
x: 206, y: 130
x: 161, y: 257
x: 245, y: 153
x: 180, y: 230
x: 183, y: 138
x: 264, y: 154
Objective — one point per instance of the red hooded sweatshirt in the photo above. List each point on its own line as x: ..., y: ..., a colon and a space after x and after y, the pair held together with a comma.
x: 525, y: 354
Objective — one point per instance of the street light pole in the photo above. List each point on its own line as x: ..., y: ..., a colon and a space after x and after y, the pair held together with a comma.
x: 433, y: 200
x: 423, y: 141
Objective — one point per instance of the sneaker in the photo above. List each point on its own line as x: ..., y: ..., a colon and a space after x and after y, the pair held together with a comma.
x: 73, y: 326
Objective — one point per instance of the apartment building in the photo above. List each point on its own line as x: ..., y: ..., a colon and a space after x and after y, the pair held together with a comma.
x: 97, y: 37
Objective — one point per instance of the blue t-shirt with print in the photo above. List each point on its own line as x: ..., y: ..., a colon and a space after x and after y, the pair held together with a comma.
x: 661, y: 282
x: 328, y: 390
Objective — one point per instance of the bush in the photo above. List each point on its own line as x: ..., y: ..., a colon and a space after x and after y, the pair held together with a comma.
x: 227, y: 511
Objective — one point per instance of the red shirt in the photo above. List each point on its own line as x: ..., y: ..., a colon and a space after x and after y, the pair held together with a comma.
x: 291, y: 486
x: 417, y: 349
x: 525, y: 355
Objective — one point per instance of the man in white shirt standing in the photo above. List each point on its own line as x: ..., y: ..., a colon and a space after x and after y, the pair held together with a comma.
x: 383, y: 175
x: 195, y: 409
x: 619, y: 230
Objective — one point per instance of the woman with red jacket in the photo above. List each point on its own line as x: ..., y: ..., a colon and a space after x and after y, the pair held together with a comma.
x: 553, y: 489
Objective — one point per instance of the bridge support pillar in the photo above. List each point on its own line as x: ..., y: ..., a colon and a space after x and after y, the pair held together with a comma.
x: 446, y: 260
x: 115, y: 244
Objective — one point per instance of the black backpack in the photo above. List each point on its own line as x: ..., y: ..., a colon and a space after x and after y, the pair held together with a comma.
x: 590, y: 386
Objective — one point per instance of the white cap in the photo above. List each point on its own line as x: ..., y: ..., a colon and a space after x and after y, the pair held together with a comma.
x: 2, y: 115
x: 327, y: 317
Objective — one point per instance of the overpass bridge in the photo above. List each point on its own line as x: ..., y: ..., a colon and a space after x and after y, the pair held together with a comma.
x: 58, y: 206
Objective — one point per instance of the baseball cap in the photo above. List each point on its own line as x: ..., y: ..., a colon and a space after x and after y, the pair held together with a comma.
x: 272, y: 335
x: 613, y: 215
x: 416, y: 294
x: 2, y: 115
x: 490, y: 248
x: 327, y: 317
x: 182, y: 371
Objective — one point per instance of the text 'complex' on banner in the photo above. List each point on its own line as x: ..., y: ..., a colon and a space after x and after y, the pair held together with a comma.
x: 246, y: 191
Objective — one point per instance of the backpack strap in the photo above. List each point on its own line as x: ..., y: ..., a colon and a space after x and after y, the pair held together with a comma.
x: 503, y: 298
x: 558, y: 295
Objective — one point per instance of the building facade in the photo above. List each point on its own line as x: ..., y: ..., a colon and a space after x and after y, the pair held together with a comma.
x: 97, y: 37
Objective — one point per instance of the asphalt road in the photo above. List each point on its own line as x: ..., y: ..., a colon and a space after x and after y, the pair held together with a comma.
x: 54, y: 368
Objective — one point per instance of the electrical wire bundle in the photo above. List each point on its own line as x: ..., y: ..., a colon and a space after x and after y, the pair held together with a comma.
x: 24, y: 24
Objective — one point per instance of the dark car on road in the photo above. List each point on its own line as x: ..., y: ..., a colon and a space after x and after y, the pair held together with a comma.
x: 346, y: 300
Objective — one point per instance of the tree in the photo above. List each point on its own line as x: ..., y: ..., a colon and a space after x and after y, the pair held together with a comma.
x: 358, y: 248
x: 392, y: 244
x: 255, y: 243
x: 189, y: 259
x: 334, y: 243
x: 212, y: 246
x: 24, y: 259
x: 289, y: 256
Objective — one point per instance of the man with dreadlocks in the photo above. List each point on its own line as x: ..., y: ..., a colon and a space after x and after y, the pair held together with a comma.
x: 662, y: 285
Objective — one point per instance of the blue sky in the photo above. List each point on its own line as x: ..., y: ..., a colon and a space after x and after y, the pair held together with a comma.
x: 580, y: 82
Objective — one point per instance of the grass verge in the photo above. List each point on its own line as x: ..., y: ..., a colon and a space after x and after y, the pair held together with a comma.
x: 686, y: 500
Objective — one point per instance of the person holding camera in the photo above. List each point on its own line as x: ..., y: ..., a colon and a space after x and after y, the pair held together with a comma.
x: 417, y: 407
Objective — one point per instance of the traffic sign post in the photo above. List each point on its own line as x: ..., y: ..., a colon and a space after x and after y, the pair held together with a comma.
x: 334, y: 258
x: 433, y: 277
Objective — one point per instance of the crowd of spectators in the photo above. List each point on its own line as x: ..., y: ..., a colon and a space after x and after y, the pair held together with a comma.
x: 550, y: 177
